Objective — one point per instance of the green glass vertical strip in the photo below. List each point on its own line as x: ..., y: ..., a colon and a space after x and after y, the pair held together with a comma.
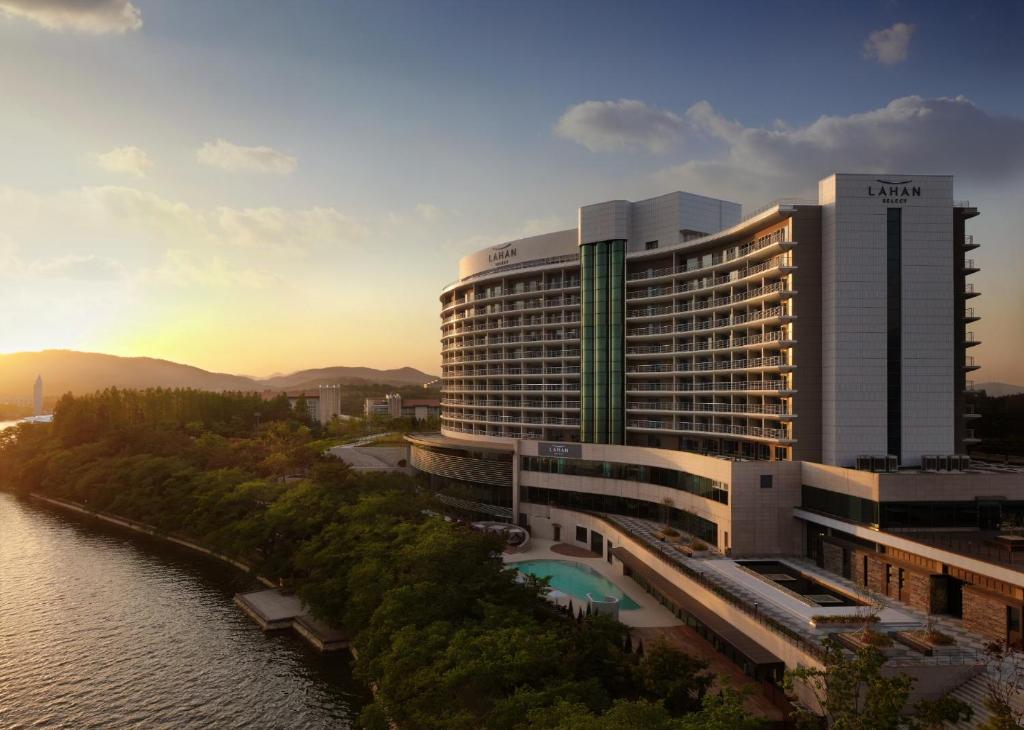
x: 616, y: 343
x: 601, y: 343
x: 587, y: 344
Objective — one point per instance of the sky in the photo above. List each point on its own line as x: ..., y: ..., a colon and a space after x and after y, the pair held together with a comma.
x: 258, y: 187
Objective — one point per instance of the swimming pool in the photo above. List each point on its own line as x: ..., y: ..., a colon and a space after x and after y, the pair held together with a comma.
x: 575, y: 579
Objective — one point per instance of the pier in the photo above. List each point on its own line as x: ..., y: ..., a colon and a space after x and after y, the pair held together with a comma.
x: 273, y: 610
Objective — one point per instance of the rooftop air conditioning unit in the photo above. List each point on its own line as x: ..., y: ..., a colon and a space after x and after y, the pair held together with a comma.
x: 864, y: 463
x: 879, y: 463
x: 892, y: 463
x: 929, y: 463
x: 944, y: 464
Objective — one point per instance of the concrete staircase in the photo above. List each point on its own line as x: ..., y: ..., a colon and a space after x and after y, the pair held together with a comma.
x: 975, y: 690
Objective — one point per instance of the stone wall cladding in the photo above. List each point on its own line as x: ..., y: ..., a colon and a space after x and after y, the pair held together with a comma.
x: 917, y: 590
x: 876, y: 574
x: 984, y: 614
x: 832, y: 558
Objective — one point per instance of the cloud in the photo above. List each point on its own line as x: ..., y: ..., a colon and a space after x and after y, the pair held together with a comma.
x: 889, y: 45
x: 603, y: 126
x: 429, y: 213
x: 131, y: 160
x: 236, y: 158
x: 182, y: 268
x: 132, y: 226
x: 84, y: 16
x: 297, y: 230
x: 910, y: 134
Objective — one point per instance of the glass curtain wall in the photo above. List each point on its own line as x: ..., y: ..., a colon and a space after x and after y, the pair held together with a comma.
x: 603, y: 282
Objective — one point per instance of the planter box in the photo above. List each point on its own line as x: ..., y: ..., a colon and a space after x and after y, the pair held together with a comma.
x: 850, y: 641
x: 916, y: 643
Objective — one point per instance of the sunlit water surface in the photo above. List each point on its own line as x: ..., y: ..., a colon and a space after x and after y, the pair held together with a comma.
x: 102, y: 630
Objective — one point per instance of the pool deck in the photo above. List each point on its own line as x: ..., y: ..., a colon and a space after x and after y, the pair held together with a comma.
x: 650, y: 614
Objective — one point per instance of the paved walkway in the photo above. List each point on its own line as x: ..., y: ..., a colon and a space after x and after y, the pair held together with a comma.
x: 369, y: 458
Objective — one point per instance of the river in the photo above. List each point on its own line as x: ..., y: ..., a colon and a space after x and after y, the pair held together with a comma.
x: 99, y: 629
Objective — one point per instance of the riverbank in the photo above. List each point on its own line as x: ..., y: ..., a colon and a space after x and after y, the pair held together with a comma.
x: 262, y: 607
x: 150, y: 531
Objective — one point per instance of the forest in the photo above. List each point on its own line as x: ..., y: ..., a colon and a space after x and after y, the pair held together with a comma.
x: 447, y: 636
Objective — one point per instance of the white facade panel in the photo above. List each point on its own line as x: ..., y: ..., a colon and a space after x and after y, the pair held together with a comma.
x: 855, y: 315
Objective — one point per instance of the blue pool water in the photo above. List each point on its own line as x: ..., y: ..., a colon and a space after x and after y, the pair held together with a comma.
x: 575, y: 579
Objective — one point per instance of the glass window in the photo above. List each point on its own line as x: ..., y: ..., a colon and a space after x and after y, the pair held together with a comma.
x: 681, y: 480
x: 581, y: 534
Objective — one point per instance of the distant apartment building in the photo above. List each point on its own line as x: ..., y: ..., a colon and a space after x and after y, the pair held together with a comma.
x: 37, y: 397
x: 792, y: 382
x: 329, y: 402
x: 393, y: 406
x: 322, y: 404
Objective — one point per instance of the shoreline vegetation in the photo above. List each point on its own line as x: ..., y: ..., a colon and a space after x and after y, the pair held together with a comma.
x: 444, y: 633
x: 149, y: 531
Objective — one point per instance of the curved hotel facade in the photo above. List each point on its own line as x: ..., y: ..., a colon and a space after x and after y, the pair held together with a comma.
x: 772, y: 383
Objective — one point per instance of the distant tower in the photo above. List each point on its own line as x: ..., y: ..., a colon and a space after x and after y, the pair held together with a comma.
x: 37, y: 396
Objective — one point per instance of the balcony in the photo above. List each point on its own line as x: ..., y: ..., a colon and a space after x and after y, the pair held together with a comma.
x: 969, y: 363
x: 725, y: 257
x: 970, y: 316
x: 744, y: 386
x: 970, y: 291
x: 716, y: 429
x: 735, y: 343
x: 778, y: 410
x: 779, y: 288
x: 780, y: 313
x: 970, y: 267
x: 969, y: 244
x: 970, y: 341
x: 783, y: 263
x: 756, y: 363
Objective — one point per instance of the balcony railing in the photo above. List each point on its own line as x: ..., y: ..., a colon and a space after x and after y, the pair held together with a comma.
x: 715, y: 260
x: 738, y: 319
x: 722, y: 429
x: 723, y: 344
x: 748, y: 364
x: 743, y: 385
x: 698, y: 284
x: 759, y: 409
x: 682, y: 308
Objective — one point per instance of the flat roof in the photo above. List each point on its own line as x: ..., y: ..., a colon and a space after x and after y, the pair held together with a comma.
x: 715, y: 623
x: 446, y: 442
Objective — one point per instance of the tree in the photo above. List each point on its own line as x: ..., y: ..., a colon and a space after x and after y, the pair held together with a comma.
x: 722, y: 710
x: 855, y: 695
x: 1005, y: 684
x: 675, y: 677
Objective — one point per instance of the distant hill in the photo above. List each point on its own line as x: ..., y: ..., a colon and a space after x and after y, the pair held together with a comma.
x: 997, y: 390
x: 85, y: 372
x: 347, y: 376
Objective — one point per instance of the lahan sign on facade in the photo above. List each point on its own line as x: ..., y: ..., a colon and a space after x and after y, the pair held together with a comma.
x: 894, y: 192
x: 502, y: 254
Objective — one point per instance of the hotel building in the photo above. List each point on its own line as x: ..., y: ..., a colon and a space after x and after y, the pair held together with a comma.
x: 790, y: 382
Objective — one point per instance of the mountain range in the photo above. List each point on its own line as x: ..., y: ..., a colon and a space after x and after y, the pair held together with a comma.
x: 84, y: 372
x: 997, y: 390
